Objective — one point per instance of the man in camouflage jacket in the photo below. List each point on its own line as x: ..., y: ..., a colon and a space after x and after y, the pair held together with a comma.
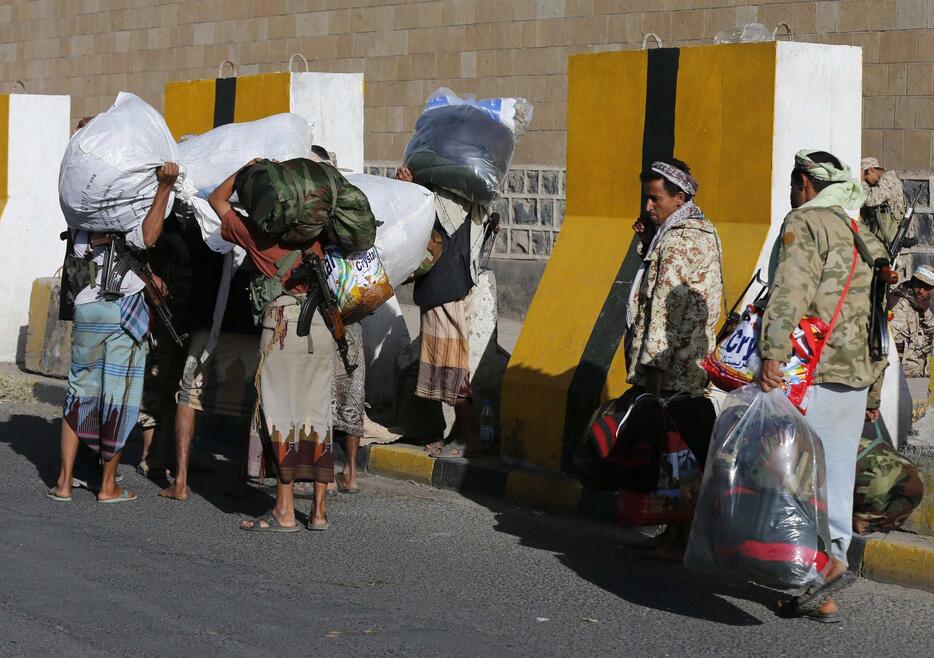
x: 814, y: 257
x: 912, y: 323
x: 885, y: 204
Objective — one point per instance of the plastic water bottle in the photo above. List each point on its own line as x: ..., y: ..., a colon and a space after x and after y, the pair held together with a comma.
x: 487, y: 425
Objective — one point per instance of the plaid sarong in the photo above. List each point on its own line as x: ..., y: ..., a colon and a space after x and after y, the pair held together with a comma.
x: 444, y: 359
x: 105, y: 384
x: 134, y: 316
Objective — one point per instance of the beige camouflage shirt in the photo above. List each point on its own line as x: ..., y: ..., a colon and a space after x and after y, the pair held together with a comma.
x: 815, y: 254
x: 912, y: 330
x: 678, y: 308
x: 884, y: 207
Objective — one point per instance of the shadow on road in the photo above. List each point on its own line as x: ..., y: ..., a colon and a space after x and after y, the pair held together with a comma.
x: 599, y: 554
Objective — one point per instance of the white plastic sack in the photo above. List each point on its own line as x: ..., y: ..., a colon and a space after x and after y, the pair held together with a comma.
x: 107, y: 181
x: 210, y: 158
x: 407, y: 213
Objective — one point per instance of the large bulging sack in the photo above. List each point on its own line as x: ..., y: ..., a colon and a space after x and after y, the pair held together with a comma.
x: 465, y: 146
x: 406, y: 213
x: 299, y: 200
x: 209, y: 158
x: 762, y: 510
x: 107, y: 180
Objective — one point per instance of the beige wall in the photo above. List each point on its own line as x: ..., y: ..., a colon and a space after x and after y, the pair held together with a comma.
x: 93, y: 48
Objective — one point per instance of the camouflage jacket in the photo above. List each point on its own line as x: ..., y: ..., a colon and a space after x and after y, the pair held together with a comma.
x: 884, y: 207
x: 814, y: 257
x: 913, y: 329
x: 678, y: 308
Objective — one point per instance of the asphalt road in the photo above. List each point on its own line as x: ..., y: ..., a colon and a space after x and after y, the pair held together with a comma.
x: 404, y: 570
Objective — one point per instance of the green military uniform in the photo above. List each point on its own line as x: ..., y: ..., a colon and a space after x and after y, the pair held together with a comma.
x: 888, y: 487
x: 812, y: 267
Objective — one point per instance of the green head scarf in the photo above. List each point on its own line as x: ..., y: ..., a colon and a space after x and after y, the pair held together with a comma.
x: 845, y: 191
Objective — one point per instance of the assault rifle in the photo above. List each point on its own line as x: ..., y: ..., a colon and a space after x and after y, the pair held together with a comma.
x: 899, y: 239
x: 118, y: 260
x: 320, y: 297
x: 490, y: 231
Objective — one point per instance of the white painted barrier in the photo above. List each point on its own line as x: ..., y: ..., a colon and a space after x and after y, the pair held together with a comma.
x: 33, y: 141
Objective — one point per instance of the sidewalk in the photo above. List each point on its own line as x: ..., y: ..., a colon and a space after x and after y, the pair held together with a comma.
x: 898, y: 558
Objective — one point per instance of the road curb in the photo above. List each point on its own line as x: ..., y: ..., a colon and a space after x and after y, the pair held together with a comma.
x: 897, y: 558
x: 488, y: 477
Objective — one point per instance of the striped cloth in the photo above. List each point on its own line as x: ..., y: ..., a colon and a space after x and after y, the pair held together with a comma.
x: 105, y: 384
x: 444, y: 359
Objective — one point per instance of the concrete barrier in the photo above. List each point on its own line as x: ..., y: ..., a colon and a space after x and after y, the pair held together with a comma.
x: 33, y: 133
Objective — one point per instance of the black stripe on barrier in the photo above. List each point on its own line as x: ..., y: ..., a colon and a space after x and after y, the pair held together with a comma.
x: 225, y: 95
x: 658, y: 143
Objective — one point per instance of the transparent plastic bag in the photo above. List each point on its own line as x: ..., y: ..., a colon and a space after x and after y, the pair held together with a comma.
x: 762, y: 510
x: 107, y: 180
x: 514, y: 113
x: 749, y: 33
x: 464, y: 145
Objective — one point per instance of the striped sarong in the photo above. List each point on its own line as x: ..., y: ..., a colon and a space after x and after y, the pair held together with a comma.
x: 444, y: 358
x: 105, y: 384
x: 294, y: 390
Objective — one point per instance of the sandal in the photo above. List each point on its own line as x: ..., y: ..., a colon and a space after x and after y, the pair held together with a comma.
x: 53, y: 494
x: 434, y: 445
x: 272, y: 524
x: 815, y: 597
x: 125, y: 497
x: 339, y: 479
x: 452, y: 450
x: 807, y: 604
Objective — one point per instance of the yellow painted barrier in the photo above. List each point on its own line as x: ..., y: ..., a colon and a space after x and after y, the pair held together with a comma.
x: 711, y: 107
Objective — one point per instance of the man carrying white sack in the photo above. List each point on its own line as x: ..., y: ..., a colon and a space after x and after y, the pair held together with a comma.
x: 819, y: 272
x: 443, y: 295
x: 108, y: 347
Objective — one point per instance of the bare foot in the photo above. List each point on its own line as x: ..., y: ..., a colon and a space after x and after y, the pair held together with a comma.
x: 175, y: 492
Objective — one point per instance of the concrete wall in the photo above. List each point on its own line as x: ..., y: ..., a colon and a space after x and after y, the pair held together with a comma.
x: 31, y: 218
x: 92, y: 48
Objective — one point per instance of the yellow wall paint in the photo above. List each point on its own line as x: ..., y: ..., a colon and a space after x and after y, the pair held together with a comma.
x: 723, y: 129
x: 189, y: 107
x: 4, y: 150
x: 260, y: 96
x: 606, y: 98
